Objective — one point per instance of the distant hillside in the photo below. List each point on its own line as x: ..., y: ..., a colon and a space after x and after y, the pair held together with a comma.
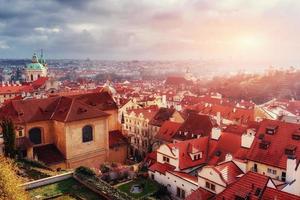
x: 259, y: 88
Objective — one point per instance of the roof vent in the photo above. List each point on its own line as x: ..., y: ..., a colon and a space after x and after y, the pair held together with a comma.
x: 290, y: 150
x: 271, y: 130
x: 261, y: 136
x: 218, y: 153
x: 257, y: 192
x: 296, y: 136
x: 264, y: 144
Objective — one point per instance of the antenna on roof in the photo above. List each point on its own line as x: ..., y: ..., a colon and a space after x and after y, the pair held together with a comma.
x: 42, y: 53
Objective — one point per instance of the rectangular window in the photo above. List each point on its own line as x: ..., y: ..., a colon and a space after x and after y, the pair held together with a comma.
x: 207, y: 185
x: 20, y: 133
x: 166, y: 159
x: 180, y: 193
x: 212, y: 187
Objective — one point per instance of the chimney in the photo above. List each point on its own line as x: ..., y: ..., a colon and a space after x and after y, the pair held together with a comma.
x: 228, y: 157
x: 247, y: 138
x: 234, y: 110
x: 215, y: 133
x: 219, y: 118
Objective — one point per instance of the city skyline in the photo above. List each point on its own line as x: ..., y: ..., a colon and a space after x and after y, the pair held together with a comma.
x: 231, y: 30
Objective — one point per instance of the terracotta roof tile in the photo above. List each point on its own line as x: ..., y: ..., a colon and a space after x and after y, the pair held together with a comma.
x: 275, y: 153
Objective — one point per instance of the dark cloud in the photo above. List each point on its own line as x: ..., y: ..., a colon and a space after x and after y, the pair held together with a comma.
x: 131, y: 29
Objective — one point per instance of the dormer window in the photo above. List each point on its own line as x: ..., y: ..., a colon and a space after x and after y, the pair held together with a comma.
x: 166, y: 159
x: 296, y: 136
x: 271, y: 130
x: 197, y: 157
x: 290, y: 150
x: 264, y: 144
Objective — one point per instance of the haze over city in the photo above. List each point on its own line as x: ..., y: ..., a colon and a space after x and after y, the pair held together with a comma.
x: 257, y: 33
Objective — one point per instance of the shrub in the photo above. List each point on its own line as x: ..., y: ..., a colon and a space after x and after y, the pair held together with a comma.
x: 104, y: 168
x: 9, y: 182
x: 85, y: 171
x: 34, y: 163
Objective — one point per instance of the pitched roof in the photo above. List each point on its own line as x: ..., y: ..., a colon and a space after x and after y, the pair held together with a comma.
x: 200, y: 194
x: 254, y: 186
x: 271, y: 148
x: 100, y: 100
x: 148, y: 113
x: 232, y: 113
x: 62, y: 108
x: 161, y: 167
x: 162, y: 115
x: 228, y: 143
x: 251, y: 184
x: 228, y: 171
x: 271, y: 194
x: 167, y: 131
x: 187, y: 148
x: 15, y: 89
x: 195, y: 125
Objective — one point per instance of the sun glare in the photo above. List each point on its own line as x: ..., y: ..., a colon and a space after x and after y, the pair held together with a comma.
x: 249, y: 42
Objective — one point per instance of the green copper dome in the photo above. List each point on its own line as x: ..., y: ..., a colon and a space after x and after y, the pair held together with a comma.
x: 35, y: 66
x: 36, y: 63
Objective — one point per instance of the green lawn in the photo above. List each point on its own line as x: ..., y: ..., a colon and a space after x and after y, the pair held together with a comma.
x: 64, y: 188
x: 149, y: 187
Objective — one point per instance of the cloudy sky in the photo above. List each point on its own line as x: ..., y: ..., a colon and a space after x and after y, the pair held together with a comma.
x: 258, y: 30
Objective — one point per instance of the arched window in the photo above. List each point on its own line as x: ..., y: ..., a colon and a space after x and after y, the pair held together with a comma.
x: 35, y: 135
x: 87, y: 133
x: 31, y: 76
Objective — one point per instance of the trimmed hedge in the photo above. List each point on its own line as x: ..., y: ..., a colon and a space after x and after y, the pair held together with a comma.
x: 34, y: 163
x: 85, y: 171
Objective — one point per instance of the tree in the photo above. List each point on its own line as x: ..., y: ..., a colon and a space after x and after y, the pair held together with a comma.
x: 9, y: 137
x: 9, y: 182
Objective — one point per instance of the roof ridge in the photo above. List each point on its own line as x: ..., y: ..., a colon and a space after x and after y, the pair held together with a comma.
x: 69, y: 111
x: 53, y: 113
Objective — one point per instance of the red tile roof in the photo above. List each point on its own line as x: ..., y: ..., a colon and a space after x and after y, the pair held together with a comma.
x: 63, y: 109
x: 228, y: 143
x: 161, y: 168
x: 274, y: 154
x: 271, y: 194
x: 187, y: 147
x: 167, y: 131
x: 162, y: 115
x: 254, y: 186
x: 251, y: 184
x: 190, y: 178
x: 200, y: 194
x: 231, y: 113
x: 228, y: 171
x: 39, y: 82
x: 17, y: 89
x: 195, y: 125
x: 148, y: 113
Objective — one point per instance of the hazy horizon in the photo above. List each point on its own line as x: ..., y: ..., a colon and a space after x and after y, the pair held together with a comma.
x: 237, y: 32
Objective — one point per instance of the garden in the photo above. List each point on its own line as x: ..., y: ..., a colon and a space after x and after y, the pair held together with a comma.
x: 68, y: 189
x: 139, y: 188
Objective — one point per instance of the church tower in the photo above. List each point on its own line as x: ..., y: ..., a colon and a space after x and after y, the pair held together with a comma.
x: 37, y: 68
